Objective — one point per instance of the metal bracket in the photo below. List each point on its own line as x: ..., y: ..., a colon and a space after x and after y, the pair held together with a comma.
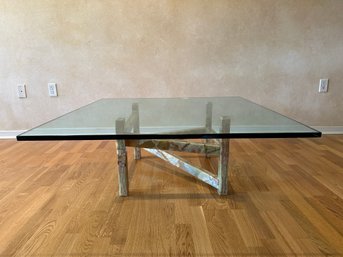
x: 176, y: 145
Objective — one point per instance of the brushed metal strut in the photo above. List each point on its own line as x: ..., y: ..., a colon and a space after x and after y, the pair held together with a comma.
x: 177, y: 161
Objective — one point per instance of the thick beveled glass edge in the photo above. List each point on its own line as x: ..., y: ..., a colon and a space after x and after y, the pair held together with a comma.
x: 168, y: 136
x: 312, y: 133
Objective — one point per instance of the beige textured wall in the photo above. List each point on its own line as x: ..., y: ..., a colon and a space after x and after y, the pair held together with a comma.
x: 271, y: 51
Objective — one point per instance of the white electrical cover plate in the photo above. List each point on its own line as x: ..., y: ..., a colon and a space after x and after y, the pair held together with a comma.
x: 52, y: 87
x: 323, y: 85
x: 21, y: 91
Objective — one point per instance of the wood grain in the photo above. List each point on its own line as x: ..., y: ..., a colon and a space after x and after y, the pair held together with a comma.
x: 60, y: 199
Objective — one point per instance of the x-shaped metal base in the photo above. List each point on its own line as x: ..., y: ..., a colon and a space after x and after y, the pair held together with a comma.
x: 162, y: 148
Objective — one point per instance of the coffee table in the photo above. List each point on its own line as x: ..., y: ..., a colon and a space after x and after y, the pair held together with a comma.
x: 161, y: 125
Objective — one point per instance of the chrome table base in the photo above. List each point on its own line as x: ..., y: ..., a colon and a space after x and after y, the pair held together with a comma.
x: 163, y: 148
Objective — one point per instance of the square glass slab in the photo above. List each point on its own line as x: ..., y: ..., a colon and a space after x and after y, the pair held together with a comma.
x: 169, y: 118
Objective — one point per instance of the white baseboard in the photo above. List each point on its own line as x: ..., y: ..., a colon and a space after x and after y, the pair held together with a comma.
x: 10, y: 134
x: 327, y: 130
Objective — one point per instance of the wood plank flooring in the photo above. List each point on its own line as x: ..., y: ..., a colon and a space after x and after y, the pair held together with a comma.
x: 61, y: 199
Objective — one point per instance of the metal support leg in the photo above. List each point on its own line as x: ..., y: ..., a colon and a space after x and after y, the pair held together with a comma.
x: 208, y: 124
x: 122, y: 160
x: 135, y: 112
x: 209, y: 108
x: 224, y: 158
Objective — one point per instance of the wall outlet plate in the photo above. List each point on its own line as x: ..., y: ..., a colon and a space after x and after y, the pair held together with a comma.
x: 21, y: 90
x: 52, y: 87
x: 323, y: 85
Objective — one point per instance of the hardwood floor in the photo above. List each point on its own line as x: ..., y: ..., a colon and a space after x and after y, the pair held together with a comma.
x: 61, y: 199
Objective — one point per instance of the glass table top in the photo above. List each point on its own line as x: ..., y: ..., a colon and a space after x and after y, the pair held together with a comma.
x: 167, y: 118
